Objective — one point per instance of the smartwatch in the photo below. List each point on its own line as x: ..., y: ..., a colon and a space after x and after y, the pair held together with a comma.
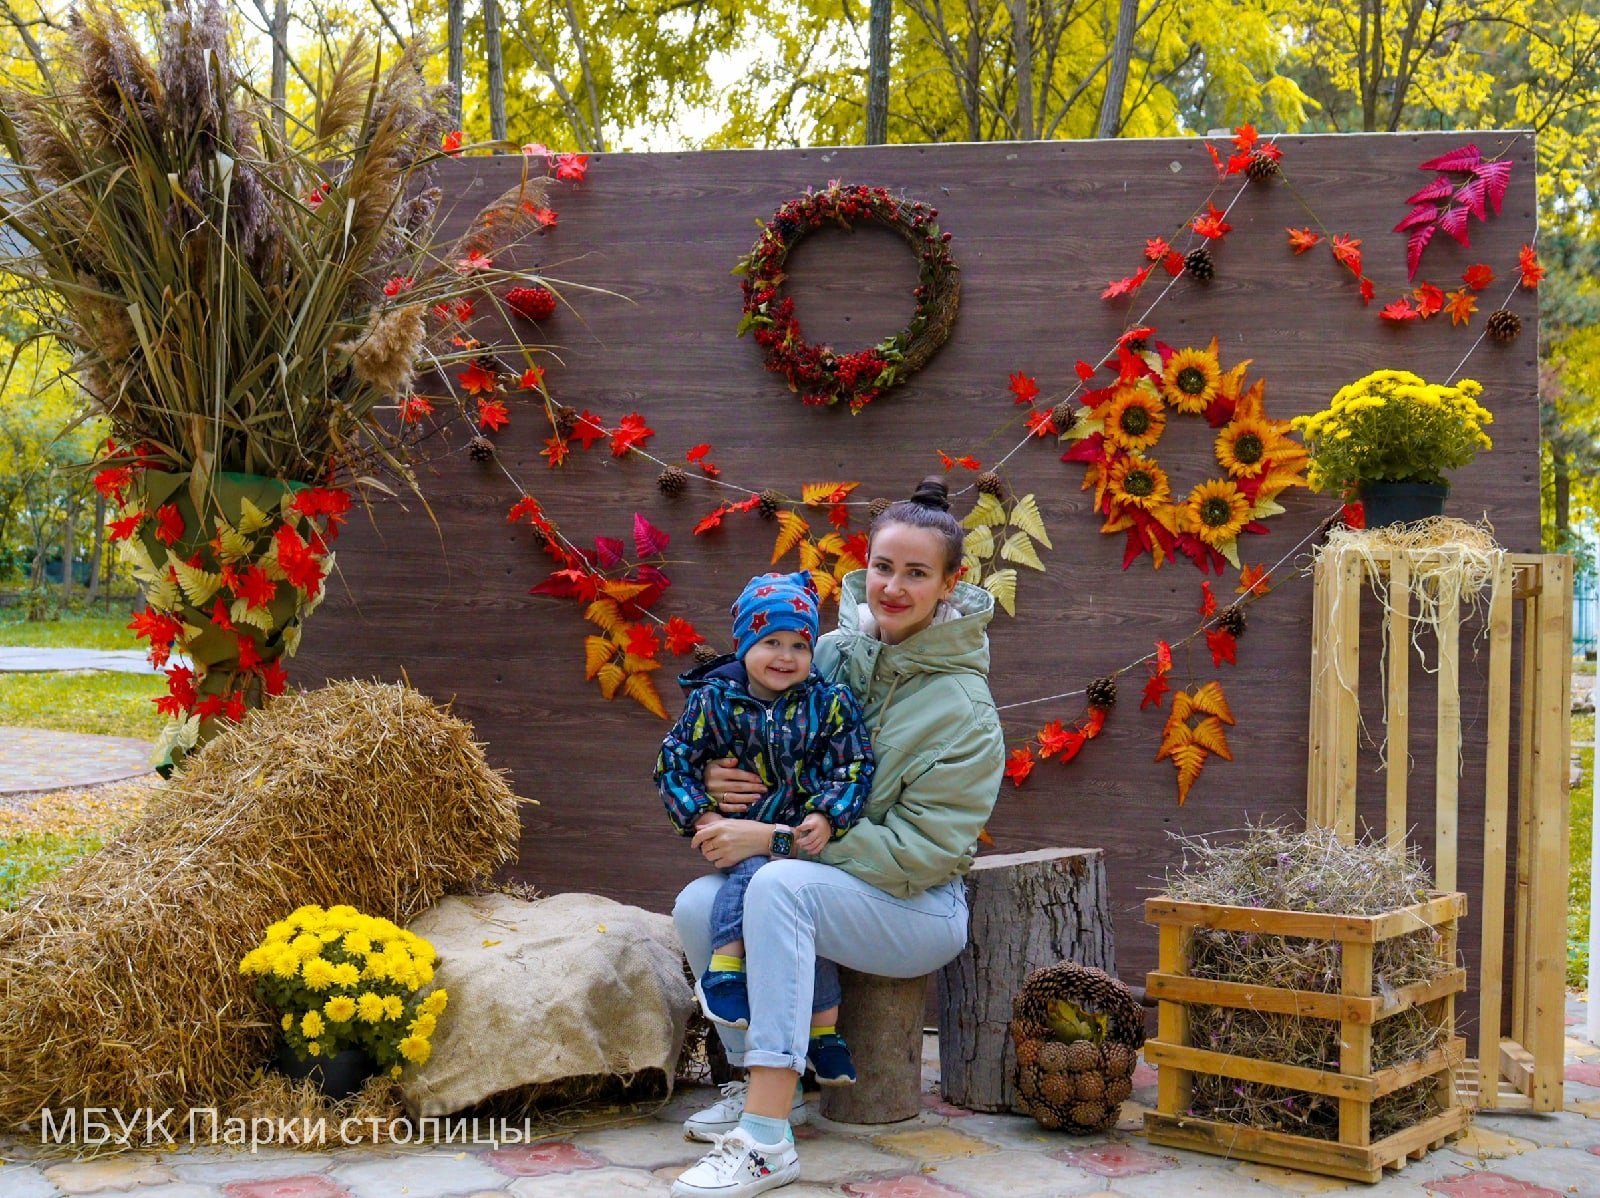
x: 782, y: 841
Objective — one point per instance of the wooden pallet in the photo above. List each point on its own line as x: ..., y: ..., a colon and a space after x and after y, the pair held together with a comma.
x: 1357, y: 1008
x: 1520, y: 1059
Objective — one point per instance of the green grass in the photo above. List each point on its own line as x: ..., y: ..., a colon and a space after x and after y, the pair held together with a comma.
x: 109, y: 704
x: 27, y: 860
x: 75, y: 632
x: 1581, y: 806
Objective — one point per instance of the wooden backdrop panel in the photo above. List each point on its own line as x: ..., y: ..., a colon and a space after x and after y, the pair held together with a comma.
x: 1039, y: 229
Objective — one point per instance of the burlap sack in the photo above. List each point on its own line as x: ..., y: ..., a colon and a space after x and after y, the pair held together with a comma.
x: 566, y: 987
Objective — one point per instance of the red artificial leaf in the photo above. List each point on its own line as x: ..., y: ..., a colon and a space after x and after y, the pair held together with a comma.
x: 641, y: 641
x: 1253, y: 580
x: 632, y: 432
x: 556, y: 450
x: 588, y: 429
x: 1301, y: 240
x: 945, y: 459
x: 1157, y: 248
x: 608, y: 551
x: 1173, y: 263
x: 1367, y: 290
x: 1471, y: 197
x: 526, y: 507
x: 1461, y: 305
x: 274, y: 678
x: 681, y: 636
x: 124, y: 528
x: 1137, y: 333
x: 1495, y: 176
x: 492, y: 415
x: 1478, y: 276
x: 1052, y: 738
x: 1239, y: 163
x: 1422, y: 214
x: 531, y: 379
x: 1529, y: 270
x: 1245, y: 137
x: 1023, y: 387
x: 1040, y: 424
x: 571, y: 166
x: 1210, y: 224
x: 1400, y: 311
x: 1415, y: 244
x: 1094, y: 722
x: 648, y: 540
x: 1454, y: 222
x: 1463, y: 159
x: 1083, y: 370
x: 697, y: 453
x: 477, y: 381
x: 397, y: 285
x: 1440, y: 189
x: 1216, y: 159
x: 415, y: 408
x: 1154, y: 689
x: 1208, y: 601
x: 1120, y: 287
x: 249, y: 659
x: 1223, y: 645
x: 1019, y: 764
x: 712, y: 520
x: 255, y: 588
x: 1163, y: 658
x: 476, y: 262
x: 1347, y: 250
x: 451, y: 144
x: 1429, y: 300
x: 113, y: 480
x: 967, y: 462
x: 169, y: 524
x: 1075, y: 742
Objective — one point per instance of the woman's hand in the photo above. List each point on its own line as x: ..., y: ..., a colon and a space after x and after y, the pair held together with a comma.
x: 733, y: 789
x: 727, y: 842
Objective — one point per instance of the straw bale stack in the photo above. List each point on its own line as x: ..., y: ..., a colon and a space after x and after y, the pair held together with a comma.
x: 120, y: 974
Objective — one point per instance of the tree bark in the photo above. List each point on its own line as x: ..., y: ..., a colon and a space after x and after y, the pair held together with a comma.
x: 496, y: 68
x: 99, y: 548
x: 1117, y: 70
x: 1022, y: 51
x: 280, y: 67
x: 880, y: 19
x: 881, y: 1020
x: 1563, y: 498
x: 1028, y: 910
x: 456, y: 69
x: 69, y: 534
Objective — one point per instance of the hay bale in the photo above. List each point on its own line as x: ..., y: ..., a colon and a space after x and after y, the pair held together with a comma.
x: 121, y: 973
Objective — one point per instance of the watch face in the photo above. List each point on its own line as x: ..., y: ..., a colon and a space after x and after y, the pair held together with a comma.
x: 782, y: 843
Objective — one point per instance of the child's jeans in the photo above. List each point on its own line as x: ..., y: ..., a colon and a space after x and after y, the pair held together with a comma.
x: 727, y: 925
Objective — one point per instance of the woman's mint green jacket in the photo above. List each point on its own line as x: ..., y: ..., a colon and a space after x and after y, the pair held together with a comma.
x: 936, y: 737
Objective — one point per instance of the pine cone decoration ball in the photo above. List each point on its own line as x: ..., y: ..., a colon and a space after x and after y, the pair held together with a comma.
x: 1028, y: 1052
x: 1198, y: 264
x: 1504, y: 325
x: 1028, y: 1081
x: 1057, y: 1089
x: 704, y: 651
x: 1052, y: 1056
x: 1091, y: 1115
x: 1103, y: 692
x: 480, y: 448
x: 1232, y: 621
x: 1120, y: 1059
x: 1063, y: 416
x: 1089, y: 1087
x: 672, y: 480
x: 877, y: 507
x: 1118, y: 1091
x: 989, y: 483
x: 1082, y: 1055
x: 1261, y: 167
x: 771, y: 501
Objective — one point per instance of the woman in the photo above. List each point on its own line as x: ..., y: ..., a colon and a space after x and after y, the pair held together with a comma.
x: 887, y: 898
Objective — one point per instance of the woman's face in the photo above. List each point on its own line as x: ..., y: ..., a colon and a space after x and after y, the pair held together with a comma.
x: 906, y: 578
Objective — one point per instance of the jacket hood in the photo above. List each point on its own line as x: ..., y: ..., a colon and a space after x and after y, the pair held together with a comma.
x: 959, y: 645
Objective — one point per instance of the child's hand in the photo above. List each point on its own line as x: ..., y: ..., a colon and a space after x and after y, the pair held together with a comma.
x: 704, y: 818
x: 814, y: 833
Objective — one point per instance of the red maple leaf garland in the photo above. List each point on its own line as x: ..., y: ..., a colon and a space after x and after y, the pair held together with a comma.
x: 1466, y: 185
x: 1529, y: 271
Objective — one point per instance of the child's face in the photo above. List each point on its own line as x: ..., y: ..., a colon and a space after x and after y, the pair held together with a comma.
x: 777, y: 662
x: 906, y: 578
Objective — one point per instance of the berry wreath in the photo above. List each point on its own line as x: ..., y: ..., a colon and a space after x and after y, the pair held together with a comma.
x: 816, y: 372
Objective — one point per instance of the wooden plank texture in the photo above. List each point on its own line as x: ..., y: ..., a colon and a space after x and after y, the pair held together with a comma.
x: 1038, y: 230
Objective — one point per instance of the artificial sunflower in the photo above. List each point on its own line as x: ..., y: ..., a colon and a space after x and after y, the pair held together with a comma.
x: 1242, y: 447
x: 1135, y: 420
x: 1136, y: 482
x: 1191, y: 379
x: 1216, y: 512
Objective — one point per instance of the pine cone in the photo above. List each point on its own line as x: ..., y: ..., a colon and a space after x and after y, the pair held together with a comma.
x: 1028, y: 1052
x: 1120, y: 1060
x: 1261, y: 167
x: 1232, y: 621
x: 487, y: 362
x: 1088, y: 1114
x: 703, y: 652
x: 1504, y: 325
x: 1118, y: 1091
x: 771, y: 501
x: 1103, y: 692
x: 1089, y: 1087
x: 877, y: 507
x: 1090, y: 990
x: 566, y: 420
x: 1063, y: 416
x: 672, y: 480
x: 1052, y: 1057
x: 1028, y: 1081
x: 1048, y: 1119
x: 989, y: 483
x: 480, y: 449
x: 1057, y: 1089
x: 1082, y: 1055
x: 1136, y: 345
x: 1198, y: 263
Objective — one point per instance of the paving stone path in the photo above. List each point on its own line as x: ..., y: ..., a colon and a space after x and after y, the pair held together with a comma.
x: 28, y: 659
x: 36, y: 759
x: 945, y: 1152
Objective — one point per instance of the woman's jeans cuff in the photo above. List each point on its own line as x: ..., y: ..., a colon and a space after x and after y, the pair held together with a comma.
x: 760, y: 1059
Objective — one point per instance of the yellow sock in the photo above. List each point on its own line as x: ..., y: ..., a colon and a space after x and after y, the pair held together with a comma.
x: 720, y: 963
x: 823, y: 1029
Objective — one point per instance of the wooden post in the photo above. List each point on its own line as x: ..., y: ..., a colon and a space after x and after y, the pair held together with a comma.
x: 1496, y: 808
x: 881, y: 1020
x: 1028, y: 910
x: 1397, y: 744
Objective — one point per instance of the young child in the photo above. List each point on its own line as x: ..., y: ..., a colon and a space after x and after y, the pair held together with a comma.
x: 765, y: 708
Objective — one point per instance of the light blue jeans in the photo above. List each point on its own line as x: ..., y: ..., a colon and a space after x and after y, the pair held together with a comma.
x: 796, y: 911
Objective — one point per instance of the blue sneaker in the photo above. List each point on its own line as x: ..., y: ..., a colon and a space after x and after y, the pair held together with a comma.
x: 724, y: 997
x: 829, y: 1057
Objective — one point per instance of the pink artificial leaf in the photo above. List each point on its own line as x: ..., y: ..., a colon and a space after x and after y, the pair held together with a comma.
x: 1417, y: 242
x: 608, y: 551
x: 1454, y: 222
x: 1440, y: 189
x: 1472, y: 195
x: 1495, y: 175
x: 1422, y: 214
x: 648, y: 540
x: 652, y: 575
x: 1464, y: 159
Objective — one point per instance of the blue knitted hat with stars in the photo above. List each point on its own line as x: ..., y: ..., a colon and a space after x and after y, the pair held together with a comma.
x: 775, y: 603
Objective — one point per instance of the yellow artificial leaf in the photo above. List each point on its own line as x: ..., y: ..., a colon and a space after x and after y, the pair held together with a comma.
x: 792, y: 529
x: 634, y: 664
x: 291, y: 638
x: 826, y: 586
x: 1265, y: 508
x: 258, y: 617
x: 643, y: 692
x: 597, y: 651
x: 1025, y: 515
x: 1190, y: 760
x: 1230, y: 551
x: 810, y: 555
x: 979, y: 542
x: 987, y: 511
x: 1209, y: 734
x: 605, y: 613
x: 830, y: 544
x: 623, y: 591
x: 610, y: 678
x: 1175, y: 735
x: 1182, y: 707
x: 231, y: 543
x: 162, y: 594
x: 1018, y: 548
x: 846, y: 563
x: 823, y: 494
x: 971, y: 570
x: 251, y: 518
x: 1209, y: 700
x: 1002, y: 584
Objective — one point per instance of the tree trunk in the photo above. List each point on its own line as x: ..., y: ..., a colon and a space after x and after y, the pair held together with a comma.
x: 1028, y: 910
x: 497, y: 70
x: 69, y: 533
x: 99, y: 548
x: 1563, y: 498
x: 1117, y: 70
x: 456, y: 68
x: 881, y: 1020
x: 1022, y: 51
x: 879, y: 21
x: 280, y: 67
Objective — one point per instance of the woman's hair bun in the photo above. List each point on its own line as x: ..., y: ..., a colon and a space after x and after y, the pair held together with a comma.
x: 932, y: 492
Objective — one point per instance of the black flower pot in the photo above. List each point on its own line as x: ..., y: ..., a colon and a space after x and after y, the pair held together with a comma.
x: 1402, y: 503
x: 338, y: 1076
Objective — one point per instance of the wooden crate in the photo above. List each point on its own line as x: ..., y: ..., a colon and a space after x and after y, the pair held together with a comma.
x: 1356, y: 1008
x: 1520, y: 1059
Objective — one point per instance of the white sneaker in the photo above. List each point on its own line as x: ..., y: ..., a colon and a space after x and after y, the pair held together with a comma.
x: 723, y: 1116
x: 737, y: 1166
